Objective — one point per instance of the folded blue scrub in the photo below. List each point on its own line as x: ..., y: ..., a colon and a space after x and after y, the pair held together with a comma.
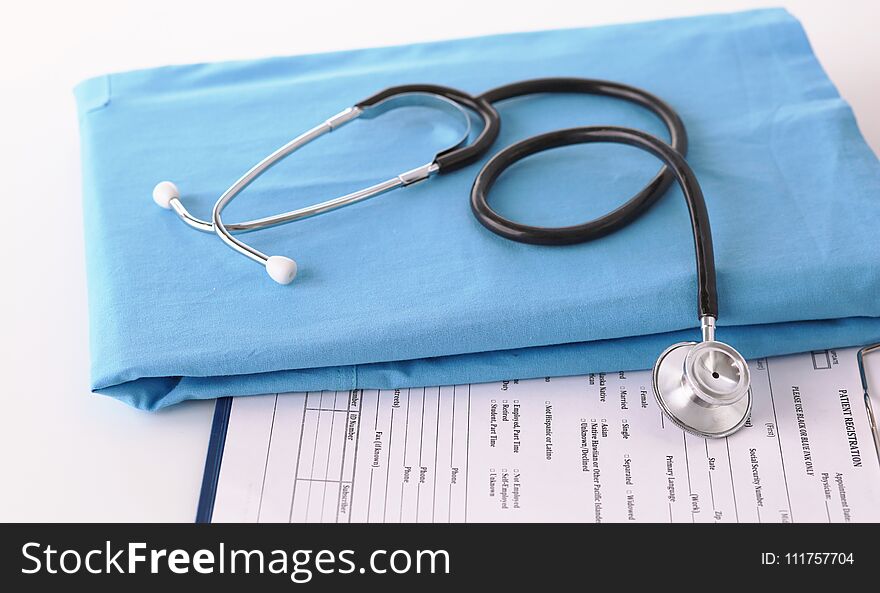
x: 408, y: 289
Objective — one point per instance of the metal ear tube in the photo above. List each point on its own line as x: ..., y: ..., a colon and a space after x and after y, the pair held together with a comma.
x: 454, y: 103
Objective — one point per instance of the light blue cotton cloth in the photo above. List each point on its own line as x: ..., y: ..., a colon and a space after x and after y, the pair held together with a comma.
x: 408, y: 289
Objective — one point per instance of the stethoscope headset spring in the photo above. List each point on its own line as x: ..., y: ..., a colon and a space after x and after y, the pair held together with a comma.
x: 703, y: 387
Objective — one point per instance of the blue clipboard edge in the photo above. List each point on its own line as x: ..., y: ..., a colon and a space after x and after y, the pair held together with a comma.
x: 213, y: 459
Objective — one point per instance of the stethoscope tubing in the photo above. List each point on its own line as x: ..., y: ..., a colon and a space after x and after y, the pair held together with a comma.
x: 615, y: 219
x: 676, y: 167
x: 672, y: 154
x: 455, y: 157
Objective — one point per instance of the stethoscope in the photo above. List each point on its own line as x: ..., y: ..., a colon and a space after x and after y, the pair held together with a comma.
x: 703, y: 387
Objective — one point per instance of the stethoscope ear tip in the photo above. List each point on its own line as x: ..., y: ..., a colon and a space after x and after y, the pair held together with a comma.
x: 164, y: 192
x: 281, y: 269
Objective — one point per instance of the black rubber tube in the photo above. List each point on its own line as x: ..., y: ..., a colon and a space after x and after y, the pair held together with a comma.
x: 453, y: 158
x: 676, y: 168
x: 622, y: 215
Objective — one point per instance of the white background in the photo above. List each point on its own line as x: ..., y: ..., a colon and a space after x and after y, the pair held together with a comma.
x: 67, y: 455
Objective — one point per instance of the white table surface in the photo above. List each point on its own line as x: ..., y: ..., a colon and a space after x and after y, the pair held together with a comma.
x: 68, y: 455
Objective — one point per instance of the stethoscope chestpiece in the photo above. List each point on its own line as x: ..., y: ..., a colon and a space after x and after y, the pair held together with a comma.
x: 703, y: 387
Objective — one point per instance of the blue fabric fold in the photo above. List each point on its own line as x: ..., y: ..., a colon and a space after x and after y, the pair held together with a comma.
x: 408, y: 289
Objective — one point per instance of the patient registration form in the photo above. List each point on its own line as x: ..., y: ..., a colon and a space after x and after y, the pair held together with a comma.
x: 592, y: 448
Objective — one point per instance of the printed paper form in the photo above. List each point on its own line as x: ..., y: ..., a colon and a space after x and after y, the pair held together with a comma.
x: 573, y: 449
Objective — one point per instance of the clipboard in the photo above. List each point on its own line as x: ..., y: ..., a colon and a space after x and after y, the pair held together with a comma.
x: 872, y: 417
x: 819, y: 360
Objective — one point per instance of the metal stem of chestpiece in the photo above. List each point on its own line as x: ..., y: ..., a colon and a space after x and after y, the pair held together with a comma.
x: 283, y: 269
x: 707, y: 325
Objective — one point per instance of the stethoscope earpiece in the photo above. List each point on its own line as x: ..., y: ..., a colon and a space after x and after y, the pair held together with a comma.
x: 281, y: 269
x: 164, y: 192
x: 703, y: 387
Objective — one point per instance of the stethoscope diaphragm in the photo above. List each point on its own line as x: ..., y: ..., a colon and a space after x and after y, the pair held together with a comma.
x: 703, y: 387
